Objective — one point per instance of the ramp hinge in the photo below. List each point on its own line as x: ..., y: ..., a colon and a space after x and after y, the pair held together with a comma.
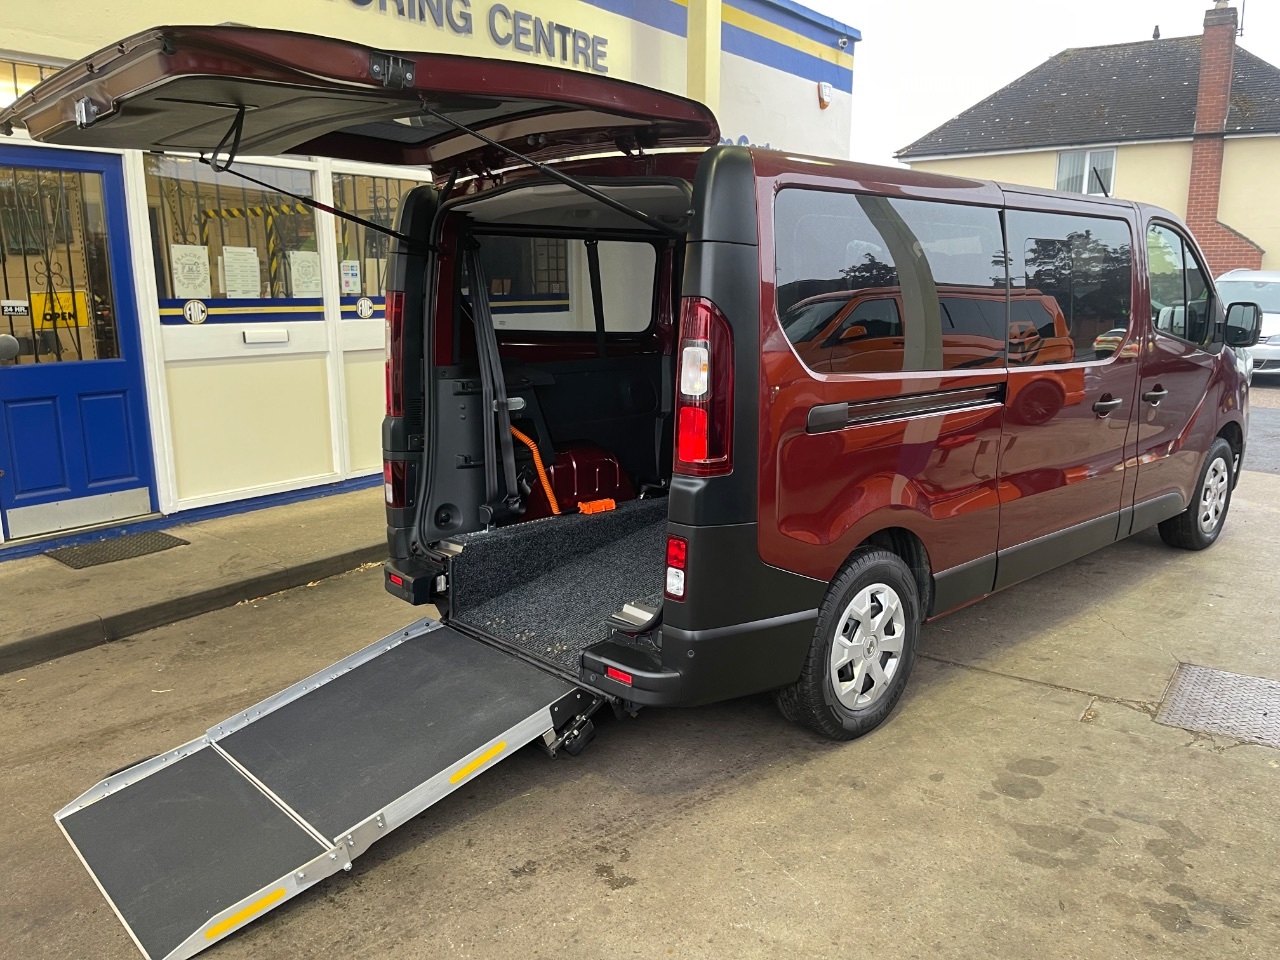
x: 390, y: 70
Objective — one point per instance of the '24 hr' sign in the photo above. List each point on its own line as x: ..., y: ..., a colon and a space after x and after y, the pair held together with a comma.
x: 506, y: 26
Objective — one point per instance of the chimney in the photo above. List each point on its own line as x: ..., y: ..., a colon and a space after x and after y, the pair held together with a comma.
x: 1225, y: 248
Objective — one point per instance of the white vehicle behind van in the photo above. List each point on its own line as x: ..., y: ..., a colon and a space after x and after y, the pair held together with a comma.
x: 1263, y: 288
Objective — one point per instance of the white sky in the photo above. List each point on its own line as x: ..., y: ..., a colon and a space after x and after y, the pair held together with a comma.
x: 921, y: 62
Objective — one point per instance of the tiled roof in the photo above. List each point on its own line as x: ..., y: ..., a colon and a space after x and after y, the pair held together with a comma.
x: 1127, y: 91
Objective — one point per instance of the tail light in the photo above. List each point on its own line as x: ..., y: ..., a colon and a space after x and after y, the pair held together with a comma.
x: 395, y: 353
x: 704, y: 401
x: 395, y: 483
x: 677, y: 561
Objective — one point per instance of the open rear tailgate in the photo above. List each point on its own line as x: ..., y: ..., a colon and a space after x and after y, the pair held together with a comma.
x: 181, y: 88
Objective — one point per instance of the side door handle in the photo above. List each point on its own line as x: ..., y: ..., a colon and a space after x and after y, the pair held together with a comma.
x: 1154, y: 397
x: 1107, y: 404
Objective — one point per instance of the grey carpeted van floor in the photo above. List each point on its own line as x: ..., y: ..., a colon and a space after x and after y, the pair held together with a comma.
x: 566, y: 576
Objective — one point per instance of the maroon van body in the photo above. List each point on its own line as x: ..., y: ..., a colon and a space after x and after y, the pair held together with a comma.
x: 1050, y: 372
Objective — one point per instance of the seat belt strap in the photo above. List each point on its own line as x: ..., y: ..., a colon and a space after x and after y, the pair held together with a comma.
x: 482, y: 317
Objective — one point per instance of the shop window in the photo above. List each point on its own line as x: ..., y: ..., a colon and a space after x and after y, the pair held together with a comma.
x: 1072, y: 282
x: 362, y: 251
x: 216, y: 236
x: 544, y: 283
x: 19, y: 76
x: 55, y: 276
x: 1087, y: 171
x: 872, y: 284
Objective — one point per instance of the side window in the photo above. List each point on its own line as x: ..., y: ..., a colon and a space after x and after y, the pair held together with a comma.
x: 926, y: 281
x: 1181, y: 298
x: 1072, y: 282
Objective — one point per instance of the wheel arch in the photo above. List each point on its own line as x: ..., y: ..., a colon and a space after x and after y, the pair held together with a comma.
x: 1233, y: 433
x: 910, y: 549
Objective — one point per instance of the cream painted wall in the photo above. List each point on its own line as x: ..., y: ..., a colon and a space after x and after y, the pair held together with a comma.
x: 1154, y: 173
x: 1250, y: 198
x: 779, y: 110
x: 240, y: 425
x: 1038, y: 169
x: 366, y: 389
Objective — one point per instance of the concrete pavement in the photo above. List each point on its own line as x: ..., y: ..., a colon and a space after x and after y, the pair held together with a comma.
x: 1022, y: 802
x: 50, y: 609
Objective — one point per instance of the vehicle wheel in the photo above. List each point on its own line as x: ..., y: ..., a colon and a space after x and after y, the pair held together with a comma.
x: 1199, y: 525
x: 862, y: 649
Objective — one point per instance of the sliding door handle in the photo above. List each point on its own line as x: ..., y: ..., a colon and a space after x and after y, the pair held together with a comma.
x: 1107, y: 404
x: 1153, y: 397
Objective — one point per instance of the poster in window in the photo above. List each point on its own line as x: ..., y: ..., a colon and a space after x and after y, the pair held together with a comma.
x: 349, y: 272
x: 190, y: 265
x: 241, y: 276
x: 304, y: 273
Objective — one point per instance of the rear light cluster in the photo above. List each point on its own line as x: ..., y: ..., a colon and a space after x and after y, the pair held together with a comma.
x: 677, y: 562
x: 395, y: 483
x: 704, y: 401
x: 395, y: 353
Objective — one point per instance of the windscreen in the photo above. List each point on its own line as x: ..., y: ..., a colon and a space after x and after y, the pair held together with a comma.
x: 1265, y: 293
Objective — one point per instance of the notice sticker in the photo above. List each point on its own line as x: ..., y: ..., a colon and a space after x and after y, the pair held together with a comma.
x: 349, y: 271
x: 15, y: 308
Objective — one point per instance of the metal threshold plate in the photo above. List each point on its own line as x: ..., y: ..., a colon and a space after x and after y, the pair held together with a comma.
x: 1229, y: 704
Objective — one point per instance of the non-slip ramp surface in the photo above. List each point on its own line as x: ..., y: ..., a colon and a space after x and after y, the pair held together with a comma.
x: 174, y: 849
x: 192, y: 845
x: 351, y: 748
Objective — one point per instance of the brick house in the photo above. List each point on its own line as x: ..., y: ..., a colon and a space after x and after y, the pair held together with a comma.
x: 1189, y: 123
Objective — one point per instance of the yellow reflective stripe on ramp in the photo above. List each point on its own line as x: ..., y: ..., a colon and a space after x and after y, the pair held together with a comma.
x: 478, y: 762
x: 249, y: 912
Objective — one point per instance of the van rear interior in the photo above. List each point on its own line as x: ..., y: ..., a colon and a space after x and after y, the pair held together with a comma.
x: 593, y: 364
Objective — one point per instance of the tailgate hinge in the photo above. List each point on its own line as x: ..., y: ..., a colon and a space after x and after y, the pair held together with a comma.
x: 391, y: 70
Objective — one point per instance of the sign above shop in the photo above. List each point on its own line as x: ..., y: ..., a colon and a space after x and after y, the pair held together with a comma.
x: 507, y: 27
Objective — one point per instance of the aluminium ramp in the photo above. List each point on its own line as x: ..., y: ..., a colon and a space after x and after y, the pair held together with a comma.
x: 191, y: 845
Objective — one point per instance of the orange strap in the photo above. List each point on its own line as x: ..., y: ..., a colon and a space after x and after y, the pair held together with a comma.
x: 542, y: 471
x: 597, y: 506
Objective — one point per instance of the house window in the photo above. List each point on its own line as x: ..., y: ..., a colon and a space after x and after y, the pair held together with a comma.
x: 1087, y: 171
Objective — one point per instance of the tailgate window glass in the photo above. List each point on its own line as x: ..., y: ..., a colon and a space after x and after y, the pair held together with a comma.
x: 362, y: 251
x: 544, y: 283
x: 217, y: 238
x: 873, y: 284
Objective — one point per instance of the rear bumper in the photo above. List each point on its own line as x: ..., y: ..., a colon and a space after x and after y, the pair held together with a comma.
x: 704, y: 666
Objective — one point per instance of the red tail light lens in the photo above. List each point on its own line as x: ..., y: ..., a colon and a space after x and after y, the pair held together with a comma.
x: 395, y: 353
x: 677, y: 561
x: 704, y: 398
x: 395, y: 483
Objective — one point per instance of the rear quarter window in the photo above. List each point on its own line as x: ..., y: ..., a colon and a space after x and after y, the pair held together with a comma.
x: 869, y: 284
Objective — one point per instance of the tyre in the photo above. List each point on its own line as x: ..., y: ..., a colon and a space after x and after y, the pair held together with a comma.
x: 862, y: 649
x: 1198, y: 526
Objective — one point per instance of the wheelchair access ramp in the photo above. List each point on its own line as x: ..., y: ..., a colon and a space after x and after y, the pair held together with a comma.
x: 191, y: 845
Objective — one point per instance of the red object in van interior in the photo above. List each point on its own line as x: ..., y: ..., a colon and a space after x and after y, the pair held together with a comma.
x: 582, y: 472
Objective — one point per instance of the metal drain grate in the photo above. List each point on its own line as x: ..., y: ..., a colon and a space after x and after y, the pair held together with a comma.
x: 1214, y: 701
x: 117, y: 548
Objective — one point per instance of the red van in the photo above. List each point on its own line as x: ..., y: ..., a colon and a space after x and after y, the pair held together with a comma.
x: 667, y: 422
x: 624, y: 439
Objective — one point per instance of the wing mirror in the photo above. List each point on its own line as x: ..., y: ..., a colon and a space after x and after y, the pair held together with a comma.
x: 9, y: 347
x: 1244, y: 324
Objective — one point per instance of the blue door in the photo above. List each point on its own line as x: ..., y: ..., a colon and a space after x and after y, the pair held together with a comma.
x: 74, y: 444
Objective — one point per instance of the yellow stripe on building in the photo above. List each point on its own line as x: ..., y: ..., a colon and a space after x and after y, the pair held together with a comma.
x: 789, y: 38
